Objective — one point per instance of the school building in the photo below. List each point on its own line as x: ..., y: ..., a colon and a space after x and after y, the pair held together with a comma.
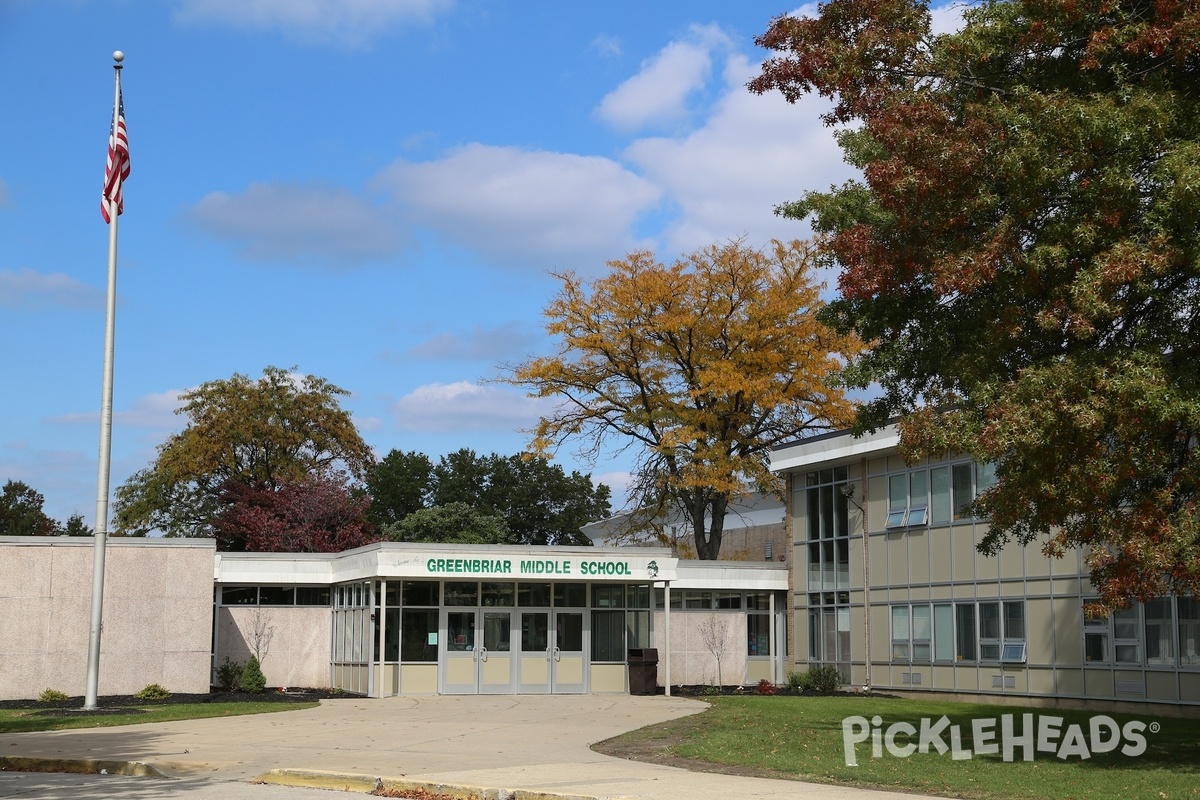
x: 889, y: 587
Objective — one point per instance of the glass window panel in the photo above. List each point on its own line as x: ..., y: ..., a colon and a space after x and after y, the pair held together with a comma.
x: 570, y: 595
x: 921, y: 627
x: 814, y: 513
x: 1125, y: 623
x: 939, y: 495
x: 843, y: 626
x: 461, y: 594
x: 989, y: 620
x: 1159, y: 626
x: 420, y: 593
x: 535, y: 630
x: 697, y: 600
x: 418, y: 634
x: 814, y: 565
x: 841, y: 516
x: 985, y: 477
x: 391, y: 634
x: 276, y: 596
x: 758, y: 601
x: 758, y: 635
x: 392, y: 599
x: 943, y: 632
x: 1126, y: 653
x: 460, y: 630
x: 608, y: 636
x: 637, y: 628
x: 918, y: 488
x: 312, y: 595
x: 965, y: 628
x: 827, y: 475
x: 963, y: 491
x: 918, y: 515
x: 533, y: 595
x: 900, y: 633
x: 841, y: 473
x: 843, y: 562
x: 826, y: 512
x: 729, y: 600
x: 829, y: 629
x: 1189, y: 631
x: 608, y: 595
x: 814, y: 636
x: 897, y: 491
x: 1014, y: 652
x: 638, y: 596
x: 1095, y: 647
x: 498, y: 595
x: 239, y: 595
x: 989, y: 651
x: 1014, y: 619
x: 811, y: 479
x: 895, y: 519
x: 497, y: 631
x: 569, y: 633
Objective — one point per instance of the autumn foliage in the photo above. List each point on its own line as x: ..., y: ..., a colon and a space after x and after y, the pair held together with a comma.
x: 315, y: 514
x: 1023, y: 254
x: 702, y: 366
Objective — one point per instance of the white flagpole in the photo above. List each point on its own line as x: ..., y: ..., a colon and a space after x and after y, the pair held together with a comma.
x: 93, y: 664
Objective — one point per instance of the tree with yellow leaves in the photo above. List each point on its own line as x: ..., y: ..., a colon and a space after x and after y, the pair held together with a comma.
x: 703, y: 366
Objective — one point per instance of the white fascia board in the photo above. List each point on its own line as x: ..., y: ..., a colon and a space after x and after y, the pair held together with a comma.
x: 834, y: 448
x: 269, y: 568
x: 729, y: 576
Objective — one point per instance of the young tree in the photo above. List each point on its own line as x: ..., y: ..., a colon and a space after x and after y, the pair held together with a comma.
x: 75, y: 527
x: 21, y: 511
x: 1024, y: 256
x: 259, y: 434
x: 315, y: 514
x: 703, y: 366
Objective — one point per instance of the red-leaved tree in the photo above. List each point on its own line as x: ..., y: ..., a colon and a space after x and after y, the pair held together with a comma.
x: 318, y: 514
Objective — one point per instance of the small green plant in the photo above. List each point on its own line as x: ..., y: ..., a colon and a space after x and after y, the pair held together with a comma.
x: 819, y: 680
x: 153, y: 691
x: 253, y: 680
x: 712, y: 690
x: 229, y: 674
x: 765, y: 687
x: 53, y: 696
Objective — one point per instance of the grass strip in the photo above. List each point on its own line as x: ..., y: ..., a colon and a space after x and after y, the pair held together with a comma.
x: 27, y: 720
x: 802, y: 738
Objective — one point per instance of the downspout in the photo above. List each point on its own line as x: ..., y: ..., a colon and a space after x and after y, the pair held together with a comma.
x: 866, y: 572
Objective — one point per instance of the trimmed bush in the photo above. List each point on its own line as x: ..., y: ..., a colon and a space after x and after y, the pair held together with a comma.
x: 820, y: 680
x: 253, y: 680
x: 765, y: 687
x: 53, y: 696
x: 229, y: 674
x: 153, y: 692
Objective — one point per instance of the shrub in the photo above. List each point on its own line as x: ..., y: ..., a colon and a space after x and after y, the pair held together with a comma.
x: 53, y: 696
x: 229, y: 674
x: 153, y: 692
x: 822, y: 680
x: 765, y: 687
x: 253, y: 680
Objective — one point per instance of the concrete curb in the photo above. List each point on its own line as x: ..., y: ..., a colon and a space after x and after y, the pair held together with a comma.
x: 348, y: 782
x: 81, y: 766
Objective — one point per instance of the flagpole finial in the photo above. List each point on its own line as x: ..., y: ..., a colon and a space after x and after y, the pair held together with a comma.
x: 118, y: 56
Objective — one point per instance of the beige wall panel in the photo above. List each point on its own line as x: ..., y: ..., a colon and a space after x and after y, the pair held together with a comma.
x: 1161, y: 686
x: 536, y: 670
x: 1070, y: 586
x: 1041, y: 681
x: 1070, y: 682
x: 968, y: 679
x: 1037, y: 565
x: 1012, y: 561
x: 942, y: 592
x: 1098, y: 683
x: 1068, y: 631
x: 608, y: 679
x: 1070, y: 564
x: 858, y: 617
x: 896, y: 463
x: 987, y: 568
x: 1013, y: 588
x: 757, y: 670
x: 897, y: 556
x: 962, y: 548
x: 941, y: 568
x: 879, y: 561
x: 876, y: 466
x: 1039, y: 632
x: 880, y: 675
x: 918, y: 557
x: 942, y: 677
x: 1189, y: 687
x: 1038, y: 587
x: 418, y: 679
x: 856, y: 563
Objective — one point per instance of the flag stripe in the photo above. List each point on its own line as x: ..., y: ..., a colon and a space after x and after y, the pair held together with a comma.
x: 117, y: 168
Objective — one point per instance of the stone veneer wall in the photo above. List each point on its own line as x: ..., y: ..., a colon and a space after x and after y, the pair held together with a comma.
x: 298, y: 654
x: 157, y: 622
x: 692, y: 662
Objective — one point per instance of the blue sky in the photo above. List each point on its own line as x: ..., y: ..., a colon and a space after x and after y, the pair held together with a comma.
x: 373, y: 191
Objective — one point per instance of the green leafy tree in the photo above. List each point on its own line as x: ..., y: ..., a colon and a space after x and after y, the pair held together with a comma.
x: 456, y: 523
x: 265, y: 433
x: 398, y: 485
x: 75, y: 527
x: 1023, y: 255
x: 702, y: 366
x: 21, y: 511
x: 539, y: 502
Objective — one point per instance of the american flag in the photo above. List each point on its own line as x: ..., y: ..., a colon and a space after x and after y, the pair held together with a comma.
x: 117, y: 169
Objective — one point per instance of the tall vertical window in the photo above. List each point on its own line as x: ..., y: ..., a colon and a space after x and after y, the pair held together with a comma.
x: 828, y: 554
x: 939, y: 495
x: 1189, y: 631
x: 1126, y: 644
x: 900, y: 633
x: 989, y: 631
x: 1160, y: 638
x: 943, y: 632
x: 964, y: 618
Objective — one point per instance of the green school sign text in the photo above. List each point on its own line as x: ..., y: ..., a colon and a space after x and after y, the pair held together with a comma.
x: 490, y: 566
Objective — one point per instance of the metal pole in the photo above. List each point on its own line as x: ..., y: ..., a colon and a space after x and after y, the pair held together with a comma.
x: 106, y: 394
x: 667, y: 632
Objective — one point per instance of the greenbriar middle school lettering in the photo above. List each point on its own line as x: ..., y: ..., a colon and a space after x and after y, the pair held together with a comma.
x: 530, y: 567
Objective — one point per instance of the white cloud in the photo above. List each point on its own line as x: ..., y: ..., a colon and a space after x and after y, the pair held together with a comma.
x: 509, y: 340
x: 659, y: 92
x: 947, y: 18
x: 609, y: 46
x: 306, y: 223
x: 752, y: 153
x: 26, y: 289
x: 535, y: 209
x: 152, y: 411
x: 349, y: 23
x: 462, y: 406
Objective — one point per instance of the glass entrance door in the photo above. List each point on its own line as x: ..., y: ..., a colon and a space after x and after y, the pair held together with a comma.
x: 568, y: 665
x: 533, y: 657
x: 495, y: 657
x: 460, y: 671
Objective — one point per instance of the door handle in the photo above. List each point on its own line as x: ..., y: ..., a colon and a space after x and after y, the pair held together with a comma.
x: 483, y: 654
x: 557, y: 655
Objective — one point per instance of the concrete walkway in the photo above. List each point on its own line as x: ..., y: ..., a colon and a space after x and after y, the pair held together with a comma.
x: 521, y: 742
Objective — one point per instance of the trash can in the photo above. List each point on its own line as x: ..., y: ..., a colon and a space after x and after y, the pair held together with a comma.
x: 643, y: 670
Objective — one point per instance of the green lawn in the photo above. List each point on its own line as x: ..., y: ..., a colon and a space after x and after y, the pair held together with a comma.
x: 802, y: 738
x: 25, y: 719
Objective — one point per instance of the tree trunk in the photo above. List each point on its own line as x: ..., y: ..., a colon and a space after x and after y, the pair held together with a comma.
x: 707, y: 536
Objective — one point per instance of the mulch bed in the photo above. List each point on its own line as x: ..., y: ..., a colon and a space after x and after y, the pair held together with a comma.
x: 127, y: 703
